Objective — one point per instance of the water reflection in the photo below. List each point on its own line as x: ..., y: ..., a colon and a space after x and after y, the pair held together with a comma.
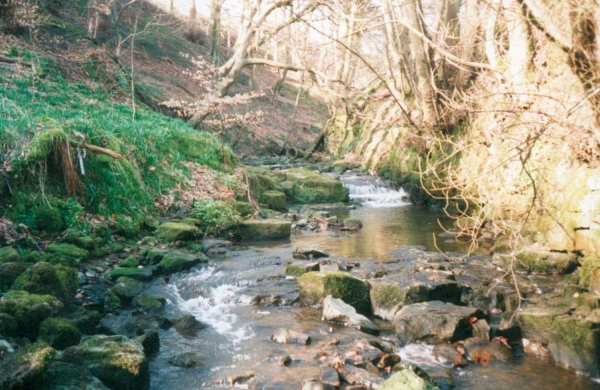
x: 385, y: 229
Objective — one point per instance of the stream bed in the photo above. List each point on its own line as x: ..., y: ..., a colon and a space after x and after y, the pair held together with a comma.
x: 243, y: 296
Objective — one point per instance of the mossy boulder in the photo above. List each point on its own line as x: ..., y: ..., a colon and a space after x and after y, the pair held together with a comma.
x: 177, y: 231
x: 590, y: 275
x: 315, y: 286
x: 24, y: 369
x: 264, y: 229
x: 542, y: 260
x: 130, y: 262
x: 274, y: 200
x: 244, y: 209
x: 86, y: 321
x: 59, y: 333
x: 8, y: 254
x: 176, y: 261
x: 81, y: 240
x: 29, y: 310
x: 68, y: 250
x: 149, y: 304
x: 353, y: 223
x: 119, y: 362
x: 44, y: 278
x: 66, y: 376
x: 112, y: 302
x: 406, y: 380
x: 127, y: 288
x: 36, y: 257
x: 573, y: 341
x: 9, y: 272
x: 312, y: 187
x: 142, y: 274
x: 8, y: 325
x: 299, y: 268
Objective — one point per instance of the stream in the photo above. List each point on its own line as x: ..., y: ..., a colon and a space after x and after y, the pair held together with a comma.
x: 222, y: 294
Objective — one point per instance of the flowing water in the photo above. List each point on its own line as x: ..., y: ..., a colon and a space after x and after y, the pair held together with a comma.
x: 220, y: 295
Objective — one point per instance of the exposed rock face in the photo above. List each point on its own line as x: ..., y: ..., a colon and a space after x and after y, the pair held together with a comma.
x: 478, y: 350
x: 264, y: 229
x: 286, y: 336
x: 120, y: 363
x: 335, y: 310
x: 315, y: 286
x: 434, y: 322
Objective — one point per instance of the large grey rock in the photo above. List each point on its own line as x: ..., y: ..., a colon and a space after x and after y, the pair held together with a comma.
x: 358, y: 376
x: 119, y: 362
x: 336, y: 310
x: 434, y: 322
x: 286, y: 336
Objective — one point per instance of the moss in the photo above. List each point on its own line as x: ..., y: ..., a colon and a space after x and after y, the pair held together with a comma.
x: 9, y: 254
x: 177, y: 261
x: 8, y: 325
x: 44, y: 278
x: 112, y: 302
x: 127, y: 288
x: 175, y: 231
x: 35, y: 257
x: 264, y: 229
x: 59, y: 333
x: 81, y: 240
x: 586, y: 302
x: 29, y: 310
x: 295, y: 270
x: 86, y: 321
x: 68, y: 250
x: 117, y: 361
x: 130, y: 262
x: 9, y: 272
x: 315, y: 286
x: 543, y: 261
x: 387, y: 296
x: 134, y: 273
x: 244, y: 209
x: 590, y: 269
x: 274, y: 200
x: 353, y: 223
x: 312, y: 187
x: 149, y: 304
x: 406, y: 380
x: 23, y: 368
x: 65, y: 376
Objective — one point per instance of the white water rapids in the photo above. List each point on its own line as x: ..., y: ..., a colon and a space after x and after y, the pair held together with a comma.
x: 374, y: 192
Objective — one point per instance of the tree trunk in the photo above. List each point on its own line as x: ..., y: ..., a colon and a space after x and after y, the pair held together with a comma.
x: 469, y: 31
x: 215, y: 32
x: 422, y: 65
x: 519, y: 52
x: 192, y: 22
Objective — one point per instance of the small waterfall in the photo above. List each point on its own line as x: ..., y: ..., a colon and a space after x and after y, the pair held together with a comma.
x: 374, y: 192
x: 214, y: 305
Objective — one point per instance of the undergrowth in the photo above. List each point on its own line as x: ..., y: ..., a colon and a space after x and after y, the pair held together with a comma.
x: 40, y: 109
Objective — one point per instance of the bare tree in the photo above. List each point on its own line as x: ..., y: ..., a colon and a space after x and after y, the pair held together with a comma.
x: 215, y: 31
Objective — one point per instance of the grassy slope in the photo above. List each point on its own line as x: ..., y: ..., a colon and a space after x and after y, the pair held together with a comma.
x: 36, y: 106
